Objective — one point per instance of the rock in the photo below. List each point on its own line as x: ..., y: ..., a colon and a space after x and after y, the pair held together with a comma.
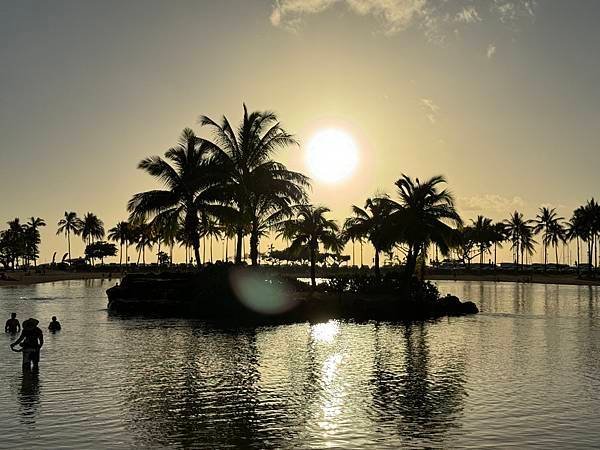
x: 469, y: 308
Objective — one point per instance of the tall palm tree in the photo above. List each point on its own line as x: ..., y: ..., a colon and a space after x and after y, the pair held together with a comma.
x: 120, y: 233
x: 256, y: 185
x: 590, y: 218
x: 188, y: 175
x: 92, y: 228
x: 69, y: 224
x: 483, y: 235
x: 373, y: 224
x: 547, y: 222
x: 143, y: 233
x: 33, y: 226
x: 307, y: 229
x: 499, y: 235
x: 211, y: 229
x: 520, y: 232
x: 554, y: 235
x: 423, y: 215
x: 515, y: 226
x: 527, y: 243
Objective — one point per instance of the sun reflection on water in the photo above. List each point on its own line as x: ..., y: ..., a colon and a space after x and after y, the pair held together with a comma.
x: 325, y: 332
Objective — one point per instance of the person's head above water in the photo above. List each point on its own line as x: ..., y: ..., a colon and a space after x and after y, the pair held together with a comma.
x: 53, y: 318
x: 13, y: 315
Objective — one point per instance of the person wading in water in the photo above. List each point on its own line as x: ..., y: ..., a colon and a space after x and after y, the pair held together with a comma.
x: 12, y: 324
x: 32, y: 340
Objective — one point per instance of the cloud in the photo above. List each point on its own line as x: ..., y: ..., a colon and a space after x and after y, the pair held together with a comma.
x: 468, y: 15
x: 435, y: 18
x: 432, y: 110
x: 491, y: 203
x: 491, y: 51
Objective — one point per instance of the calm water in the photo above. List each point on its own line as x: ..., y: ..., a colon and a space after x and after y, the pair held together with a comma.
x: 524, y: 372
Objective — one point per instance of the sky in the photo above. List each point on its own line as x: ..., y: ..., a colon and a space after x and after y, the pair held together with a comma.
x: 499, y: 96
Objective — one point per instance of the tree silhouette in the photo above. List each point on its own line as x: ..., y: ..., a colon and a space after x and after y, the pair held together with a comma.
x: 423, y: 216
x: 187, y: 174
x: 307, y: 229
x: 259, y: 188
x: 69, y: 224
x: 373, y: 224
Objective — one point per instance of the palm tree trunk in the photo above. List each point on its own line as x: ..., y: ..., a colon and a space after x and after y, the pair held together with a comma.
x: 313, y: 259
x: 556, y: 254
x: 361, y: 253
x: 121, y: 254
x: 377, y: 270
x: 226, y: 249
x: 238, y: 250
x: 254, y: 245
x: 353, y: 261
x: 68, y: 246
x: 211, y: 253
x: 196, y: 245
x: 578, y: 263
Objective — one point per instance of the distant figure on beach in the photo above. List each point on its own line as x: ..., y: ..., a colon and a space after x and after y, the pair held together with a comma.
x: 54, y: 325
x: 31, y: 340
x: 12, y: 325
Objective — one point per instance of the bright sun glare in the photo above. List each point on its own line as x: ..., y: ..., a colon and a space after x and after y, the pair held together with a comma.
x: 332, y: 155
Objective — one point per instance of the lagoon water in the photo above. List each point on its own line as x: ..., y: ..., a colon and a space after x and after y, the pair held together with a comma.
x: 524, y: 372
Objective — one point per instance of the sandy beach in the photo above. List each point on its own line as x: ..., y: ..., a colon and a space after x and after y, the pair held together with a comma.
x: 23, y: 278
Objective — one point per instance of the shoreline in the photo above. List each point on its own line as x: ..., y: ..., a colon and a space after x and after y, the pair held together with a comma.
x: 537, y: 278
x: 24, y: 278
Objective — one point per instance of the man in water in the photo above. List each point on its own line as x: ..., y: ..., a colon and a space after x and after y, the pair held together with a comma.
x: 54, y: 325
x: 12, y: 325
x: 32, y: 340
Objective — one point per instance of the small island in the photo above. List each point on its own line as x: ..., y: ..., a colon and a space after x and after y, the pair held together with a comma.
x: 238, y: 294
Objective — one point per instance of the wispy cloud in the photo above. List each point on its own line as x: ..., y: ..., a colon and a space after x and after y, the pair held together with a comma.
x: 434, y: 17
x: 490, y: 203
x: 491, y: 51
x: 468, y: 15
x: 431, y: 109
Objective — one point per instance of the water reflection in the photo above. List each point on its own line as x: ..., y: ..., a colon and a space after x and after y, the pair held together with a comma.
x: 529, y: 363
x: 422, y: 402
x: 29, y: 395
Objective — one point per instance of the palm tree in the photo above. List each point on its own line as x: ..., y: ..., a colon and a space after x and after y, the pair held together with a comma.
x: 423, y: 216
x: 92, y: 228
x: 483, y: 235
x: 554, y: 234
x: 260, y: 188
x: 188, y: 175
x: 585, y: 225
x: 527, y: 243
x: 499, y: 235
x: 373, y: 224
x: 515, y: 226
x: 143, y: 233
x: 211, y: 229
x: 166, y: 228
x: 70, y: 223
x: 547, y: 222
x: 33, y: 226
x: 520, y: 233
x: 307, y: 229
x: 120, y: 233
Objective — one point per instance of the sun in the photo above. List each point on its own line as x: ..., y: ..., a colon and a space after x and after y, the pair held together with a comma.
x: 332, y: 155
